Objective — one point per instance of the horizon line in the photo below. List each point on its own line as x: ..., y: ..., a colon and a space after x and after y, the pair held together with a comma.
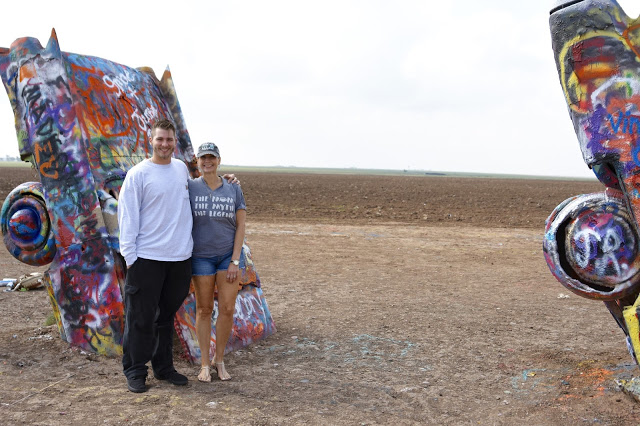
x: 398, y: 172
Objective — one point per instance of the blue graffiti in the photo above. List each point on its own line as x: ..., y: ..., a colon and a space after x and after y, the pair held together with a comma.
x: 630, y: 123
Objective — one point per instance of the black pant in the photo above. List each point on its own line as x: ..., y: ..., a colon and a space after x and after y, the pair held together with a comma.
x: 154, y: 291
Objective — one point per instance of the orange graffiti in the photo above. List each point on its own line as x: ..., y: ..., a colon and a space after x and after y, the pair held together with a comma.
x: 28, y: 70
x: 46, y: 166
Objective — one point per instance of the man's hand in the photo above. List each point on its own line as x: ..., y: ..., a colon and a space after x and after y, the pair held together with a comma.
x: 231, y: 178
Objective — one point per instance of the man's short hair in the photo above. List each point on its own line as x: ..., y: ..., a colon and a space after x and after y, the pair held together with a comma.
x: 162, y: 123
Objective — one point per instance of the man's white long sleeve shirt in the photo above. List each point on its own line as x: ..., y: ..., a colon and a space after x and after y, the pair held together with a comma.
x: 154, y: 214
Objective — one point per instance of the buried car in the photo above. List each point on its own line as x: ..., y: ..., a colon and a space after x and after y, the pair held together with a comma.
x: 592, y: 241
x: 83, y: 122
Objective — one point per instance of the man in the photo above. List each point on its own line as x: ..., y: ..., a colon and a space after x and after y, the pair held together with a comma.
x: 154, y: 216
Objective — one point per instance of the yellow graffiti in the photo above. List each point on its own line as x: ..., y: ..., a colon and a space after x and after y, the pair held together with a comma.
x: 572, y: 84
x: 105, y: 345
x: 56, y: 309
x: 631, y: 319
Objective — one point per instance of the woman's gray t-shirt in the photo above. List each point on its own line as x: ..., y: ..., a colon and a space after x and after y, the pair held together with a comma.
x: 214, y: 216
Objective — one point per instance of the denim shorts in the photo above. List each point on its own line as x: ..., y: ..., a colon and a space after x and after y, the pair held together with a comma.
x: 211, y: 265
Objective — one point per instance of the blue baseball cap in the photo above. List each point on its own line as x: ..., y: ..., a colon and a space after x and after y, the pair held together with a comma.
x: 208, y: 148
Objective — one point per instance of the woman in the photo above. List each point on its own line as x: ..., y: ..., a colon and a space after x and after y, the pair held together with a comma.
x: 219, y: 214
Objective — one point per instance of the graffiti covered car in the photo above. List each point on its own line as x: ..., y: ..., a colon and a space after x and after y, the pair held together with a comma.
x: 83, y: 122
x: 592, y: 241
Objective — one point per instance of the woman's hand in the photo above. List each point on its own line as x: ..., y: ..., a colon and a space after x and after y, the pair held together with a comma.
x: 233, y: 273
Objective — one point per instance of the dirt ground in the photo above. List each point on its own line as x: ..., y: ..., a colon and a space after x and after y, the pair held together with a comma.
x: 398, y: 300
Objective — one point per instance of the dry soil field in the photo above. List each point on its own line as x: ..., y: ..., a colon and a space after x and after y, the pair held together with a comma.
x: 398, y: 300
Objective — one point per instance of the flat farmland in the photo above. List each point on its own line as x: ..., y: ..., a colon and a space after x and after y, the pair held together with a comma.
x: 398, y: 300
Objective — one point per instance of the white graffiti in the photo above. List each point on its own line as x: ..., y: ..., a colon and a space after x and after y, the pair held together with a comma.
x: 631, y: 84
x: 121, y: 84
x: 609, y: 244
x: 144, y: 120
x: 244, y: 309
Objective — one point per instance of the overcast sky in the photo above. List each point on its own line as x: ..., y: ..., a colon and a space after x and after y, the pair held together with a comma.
x: 456, y: 85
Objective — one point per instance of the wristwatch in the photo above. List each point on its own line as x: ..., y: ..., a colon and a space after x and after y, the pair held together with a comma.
x: 235, y: 262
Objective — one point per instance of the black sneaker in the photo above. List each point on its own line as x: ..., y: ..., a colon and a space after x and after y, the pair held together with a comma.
x: 174, y: 378
x: 136, y: 384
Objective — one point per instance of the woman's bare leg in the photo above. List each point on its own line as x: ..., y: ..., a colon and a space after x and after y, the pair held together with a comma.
x: 204, y: 288
x: 227, y: 293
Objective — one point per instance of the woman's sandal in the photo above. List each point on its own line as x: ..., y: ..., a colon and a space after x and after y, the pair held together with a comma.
x: 207, y: 377
x: 219, y: 367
